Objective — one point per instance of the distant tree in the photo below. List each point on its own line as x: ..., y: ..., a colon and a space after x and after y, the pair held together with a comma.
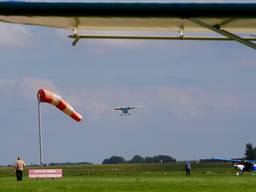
x: 114, y: 160
x: 149, y: 160
x: 137, y: 159
x: 140, y: 159
x: 250, y: 152
x: 165, y: 159
x: 254, y: 153
x: 69, y: 163
x: 160, y: 159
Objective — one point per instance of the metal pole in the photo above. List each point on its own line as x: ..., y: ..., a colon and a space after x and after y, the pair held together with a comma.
x: 225, y: 33
x: 40, y: 131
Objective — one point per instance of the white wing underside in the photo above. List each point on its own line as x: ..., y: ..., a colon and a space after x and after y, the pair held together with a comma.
x: 236, y: 25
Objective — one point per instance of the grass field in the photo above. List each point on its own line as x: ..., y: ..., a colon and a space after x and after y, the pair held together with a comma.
x: 135, y: 178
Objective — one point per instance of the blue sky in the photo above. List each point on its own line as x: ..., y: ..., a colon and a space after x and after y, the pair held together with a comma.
x: 198, y: 97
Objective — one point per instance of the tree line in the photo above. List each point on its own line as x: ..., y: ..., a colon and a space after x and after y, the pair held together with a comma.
x: 250, y: 152
x: 140, y: 159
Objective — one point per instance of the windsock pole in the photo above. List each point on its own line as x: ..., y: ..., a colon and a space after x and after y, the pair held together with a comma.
x: 40, y: 132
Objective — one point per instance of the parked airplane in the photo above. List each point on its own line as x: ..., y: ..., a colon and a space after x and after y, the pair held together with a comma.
x: 231, y: 21
x: 125, y: 110
x: 241, y: 165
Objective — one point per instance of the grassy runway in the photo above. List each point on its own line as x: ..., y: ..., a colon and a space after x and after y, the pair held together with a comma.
x: 109, y: 180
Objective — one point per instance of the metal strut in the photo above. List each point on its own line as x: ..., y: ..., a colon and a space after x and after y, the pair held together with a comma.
x: 75, y: 36
x: 216, y: 28
x: 227, y: 36
x: 133, y: 37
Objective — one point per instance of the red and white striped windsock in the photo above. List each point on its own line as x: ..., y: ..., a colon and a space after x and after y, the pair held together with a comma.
x: 44, y: 95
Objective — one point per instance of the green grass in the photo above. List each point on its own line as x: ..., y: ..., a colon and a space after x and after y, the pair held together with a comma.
x: 141, y: 183
x: 135, y: 178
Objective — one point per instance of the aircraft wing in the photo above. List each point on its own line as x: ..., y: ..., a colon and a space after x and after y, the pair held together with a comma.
x: 227, y: 160
x: 118, y: 108
x: 222, y: 18
x: 131, y: 108
x: 244, y: 162
x: 131, y: 16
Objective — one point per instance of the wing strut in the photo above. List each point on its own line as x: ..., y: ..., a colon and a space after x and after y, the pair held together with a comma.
x: 216, y: 28
x: 76, y: 37
x: 133, y: 37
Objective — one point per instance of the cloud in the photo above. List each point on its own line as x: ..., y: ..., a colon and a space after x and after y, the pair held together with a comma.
x: 6, y: 83
x: 249, y: 62
x: 25, y: 88
x: 181, y: 102
x: 29, y: 86
x: 15, y: 36
x: 192, y: 102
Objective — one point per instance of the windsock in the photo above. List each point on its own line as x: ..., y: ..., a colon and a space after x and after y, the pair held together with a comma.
x: 44, y: 95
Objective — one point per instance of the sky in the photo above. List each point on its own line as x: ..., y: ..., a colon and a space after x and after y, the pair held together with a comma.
x: 198, y: 98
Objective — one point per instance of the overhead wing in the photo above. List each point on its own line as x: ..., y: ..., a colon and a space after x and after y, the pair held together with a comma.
x: 225, y: 19
x: 131, y: 16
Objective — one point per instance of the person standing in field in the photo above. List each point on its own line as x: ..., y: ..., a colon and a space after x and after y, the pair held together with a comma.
x: 19, y: 166
x: 188, y: 168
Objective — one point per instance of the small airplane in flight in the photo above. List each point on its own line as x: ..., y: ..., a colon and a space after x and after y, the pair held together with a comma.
x: 125, y: 110
x: 241, y: 165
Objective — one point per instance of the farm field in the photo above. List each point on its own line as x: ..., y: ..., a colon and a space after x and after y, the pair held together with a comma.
x: 134, y: 178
